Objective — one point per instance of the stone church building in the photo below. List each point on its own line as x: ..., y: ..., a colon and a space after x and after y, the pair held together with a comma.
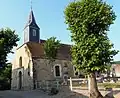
x: 30, y: 69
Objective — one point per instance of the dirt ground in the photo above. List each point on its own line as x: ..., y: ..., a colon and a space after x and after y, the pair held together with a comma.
x: 62, y: 94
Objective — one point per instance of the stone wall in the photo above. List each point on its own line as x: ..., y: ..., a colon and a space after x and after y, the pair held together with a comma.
x: 45, y: 71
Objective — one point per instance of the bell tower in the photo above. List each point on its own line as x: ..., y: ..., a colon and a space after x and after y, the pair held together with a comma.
x: 31, y: 30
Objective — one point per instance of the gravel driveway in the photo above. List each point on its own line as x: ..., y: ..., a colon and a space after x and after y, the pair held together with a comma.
x: 22, y: 94
x: 37, y: 94
x: 40, y: 94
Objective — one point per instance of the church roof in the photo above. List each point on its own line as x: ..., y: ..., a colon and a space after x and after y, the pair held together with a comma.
x: 37, y: 50
x: 31, y: 20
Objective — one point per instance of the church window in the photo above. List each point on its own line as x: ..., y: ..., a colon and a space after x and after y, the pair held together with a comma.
x: 20, y: 62
x: 29, y: 68
x: 34, y: 32
x: 57, y: 70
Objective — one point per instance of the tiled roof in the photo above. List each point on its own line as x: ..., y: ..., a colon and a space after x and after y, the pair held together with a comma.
x: 37, y: 50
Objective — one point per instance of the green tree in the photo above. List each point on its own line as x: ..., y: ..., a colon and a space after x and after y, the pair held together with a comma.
x: 5, y: 77
x: 88, y: 22
x: 51, y: 47
x: 8, y: 40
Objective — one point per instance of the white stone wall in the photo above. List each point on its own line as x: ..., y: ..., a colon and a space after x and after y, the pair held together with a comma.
x: 27, y: 80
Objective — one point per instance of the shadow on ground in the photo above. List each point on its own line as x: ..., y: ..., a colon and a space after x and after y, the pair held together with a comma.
x: 65, y: 92
x: 112, y: 93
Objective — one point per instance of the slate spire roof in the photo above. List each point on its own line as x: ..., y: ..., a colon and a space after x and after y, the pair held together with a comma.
x: 31, y: 20
x: 31, y: 17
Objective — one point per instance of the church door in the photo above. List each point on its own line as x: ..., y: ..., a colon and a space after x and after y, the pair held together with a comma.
x: 20, y: 80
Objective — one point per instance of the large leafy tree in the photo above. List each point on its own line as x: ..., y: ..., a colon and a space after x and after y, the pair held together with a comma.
x: 88, y: 22
x: 8, y: 39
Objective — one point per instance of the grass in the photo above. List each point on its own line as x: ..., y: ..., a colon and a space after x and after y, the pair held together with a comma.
x: 109, y: 85
x: 104, y: 85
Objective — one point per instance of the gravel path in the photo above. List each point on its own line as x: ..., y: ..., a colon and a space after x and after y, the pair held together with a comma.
x: 62, y: 94
x: 37, y: 94
x: 22, y: 94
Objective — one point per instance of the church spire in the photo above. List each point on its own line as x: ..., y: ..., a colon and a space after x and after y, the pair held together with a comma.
x: 31, y: 18
x: 31, y: 30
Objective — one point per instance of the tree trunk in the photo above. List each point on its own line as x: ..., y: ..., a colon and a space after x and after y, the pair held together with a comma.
x: 93, y: 88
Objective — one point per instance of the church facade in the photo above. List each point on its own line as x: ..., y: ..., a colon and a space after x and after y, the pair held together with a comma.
x: 30, y: 69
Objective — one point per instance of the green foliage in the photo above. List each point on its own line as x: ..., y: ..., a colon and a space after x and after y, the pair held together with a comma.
x: 8, y: 40
x: 51, y: 47
x: 105, y: 85
x: 5, y: 77
x: 88, y: 22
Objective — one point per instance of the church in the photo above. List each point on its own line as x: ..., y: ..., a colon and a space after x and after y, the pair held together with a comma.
x: 30, y: 69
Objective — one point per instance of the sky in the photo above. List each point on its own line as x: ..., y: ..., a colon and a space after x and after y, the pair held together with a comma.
x: 50, y: 18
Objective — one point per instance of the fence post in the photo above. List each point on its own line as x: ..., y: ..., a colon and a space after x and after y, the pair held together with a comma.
x: 89, y: 83
x: 70, y: 83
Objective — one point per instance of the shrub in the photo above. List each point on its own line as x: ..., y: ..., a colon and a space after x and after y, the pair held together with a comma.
x: 53, y: 91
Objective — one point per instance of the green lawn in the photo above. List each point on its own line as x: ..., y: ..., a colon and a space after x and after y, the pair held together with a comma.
x: 109, y: 85
x: 104, y: 85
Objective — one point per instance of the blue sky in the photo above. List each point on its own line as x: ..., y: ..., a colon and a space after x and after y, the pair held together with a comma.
x: 50, y: 17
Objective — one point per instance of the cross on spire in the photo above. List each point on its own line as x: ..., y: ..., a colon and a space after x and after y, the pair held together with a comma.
x: 31, y: 4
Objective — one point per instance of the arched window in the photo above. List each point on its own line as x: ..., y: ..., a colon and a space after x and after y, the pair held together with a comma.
x: 29, y: 68
x: 20, y: 62
x: 20, y: 80
x: 57, y: 70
